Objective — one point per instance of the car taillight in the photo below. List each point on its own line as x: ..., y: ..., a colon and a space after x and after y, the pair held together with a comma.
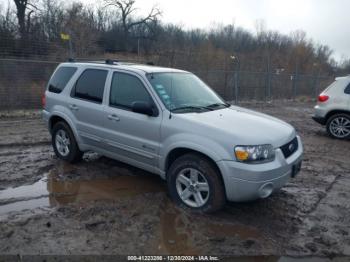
x: 323, y: 98
x: 43, y: 100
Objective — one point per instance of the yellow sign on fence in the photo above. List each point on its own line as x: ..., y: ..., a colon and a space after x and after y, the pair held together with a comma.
x: 65, y: 36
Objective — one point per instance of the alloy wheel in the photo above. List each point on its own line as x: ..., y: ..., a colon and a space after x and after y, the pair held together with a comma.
x: 192, y: 187
x: 62, y: 142
x: 340, y: 127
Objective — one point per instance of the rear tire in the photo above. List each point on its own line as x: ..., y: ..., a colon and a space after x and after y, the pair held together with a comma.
x: 195, y: 183
x: 338, y: 126
x: 64, y: 143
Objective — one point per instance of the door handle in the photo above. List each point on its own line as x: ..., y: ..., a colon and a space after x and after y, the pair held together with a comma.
x: 113, y: 117
x: 73, y: 107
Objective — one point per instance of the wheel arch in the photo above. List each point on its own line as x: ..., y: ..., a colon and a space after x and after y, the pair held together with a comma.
x: 54, y: 120
x: 59, y: 117
x: 180, y: 151
x: 335, y: 112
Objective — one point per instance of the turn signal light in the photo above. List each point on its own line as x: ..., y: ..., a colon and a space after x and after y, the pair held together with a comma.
x: 242, y: 155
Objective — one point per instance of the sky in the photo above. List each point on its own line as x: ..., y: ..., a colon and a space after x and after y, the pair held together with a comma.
x: 325, y: 21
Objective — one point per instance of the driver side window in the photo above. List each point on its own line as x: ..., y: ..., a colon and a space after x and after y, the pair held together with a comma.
x: 127, y: 89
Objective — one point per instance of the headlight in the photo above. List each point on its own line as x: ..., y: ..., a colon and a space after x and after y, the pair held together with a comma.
x: 255, y: 154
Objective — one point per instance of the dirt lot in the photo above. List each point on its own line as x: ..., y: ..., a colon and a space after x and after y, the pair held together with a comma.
x: 101, y: 206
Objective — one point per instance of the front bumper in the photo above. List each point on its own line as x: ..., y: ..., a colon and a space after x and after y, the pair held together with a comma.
x: 246, y: 182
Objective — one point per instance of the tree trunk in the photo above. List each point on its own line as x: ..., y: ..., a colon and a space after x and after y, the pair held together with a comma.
x: 21, y: 6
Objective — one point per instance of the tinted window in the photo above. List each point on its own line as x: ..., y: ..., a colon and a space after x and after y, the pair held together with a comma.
x: 60, y: 79
x: 90, y: 85
x: 347, y: 89
x: 127, y: 89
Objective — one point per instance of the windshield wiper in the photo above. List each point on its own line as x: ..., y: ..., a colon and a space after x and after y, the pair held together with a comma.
x: 217, y: 105
x: 212, y: 106
x: 191, y: 108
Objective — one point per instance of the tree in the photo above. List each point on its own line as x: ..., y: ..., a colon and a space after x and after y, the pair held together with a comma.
x: 127, y: 9
x: 81, y: 26
x: 23, y: 16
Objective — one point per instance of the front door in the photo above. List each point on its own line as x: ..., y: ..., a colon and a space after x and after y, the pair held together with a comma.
x: 134, y: 137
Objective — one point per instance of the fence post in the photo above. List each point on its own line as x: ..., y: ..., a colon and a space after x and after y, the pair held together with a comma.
x: 236, y: 87
x: 268, y: 80
x: 269, y: 86
x: 236, y: 77
x: 295, y: 79
x: 294, y: 86
x: 316, y: 84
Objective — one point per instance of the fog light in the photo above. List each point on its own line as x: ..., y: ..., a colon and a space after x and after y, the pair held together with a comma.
x: 265, y: 190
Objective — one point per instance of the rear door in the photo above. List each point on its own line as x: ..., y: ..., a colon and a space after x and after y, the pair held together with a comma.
x: 86, y: 105
x: 134, y: 137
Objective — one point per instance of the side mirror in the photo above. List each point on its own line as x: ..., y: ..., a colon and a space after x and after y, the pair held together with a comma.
x: 143, y: 108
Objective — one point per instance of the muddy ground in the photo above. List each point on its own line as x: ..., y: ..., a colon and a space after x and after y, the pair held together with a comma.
x: 102, y: 206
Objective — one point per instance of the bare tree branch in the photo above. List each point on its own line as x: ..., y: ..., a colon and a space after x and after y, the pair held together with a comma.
x: 127, y: 8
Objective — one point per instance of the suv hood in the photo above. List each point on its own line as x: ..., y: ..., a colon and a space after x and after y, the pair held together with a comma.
x: 247, y: 127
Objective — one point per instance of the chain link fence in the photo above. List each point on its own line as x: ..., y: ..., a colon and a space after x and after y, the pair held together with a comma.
x: 264, y: 86
x: 22, y: 82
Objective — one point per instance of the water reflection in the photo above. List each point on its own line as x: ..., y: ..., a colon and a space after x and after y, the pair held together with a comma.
x: 64, y: 192
x: 56, y: 188
x: 175, y: 233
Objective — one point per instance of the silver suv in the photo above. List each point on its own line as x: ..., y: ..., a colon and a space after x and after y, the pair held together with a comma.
x: 333, y: 108
x: 170, y: 123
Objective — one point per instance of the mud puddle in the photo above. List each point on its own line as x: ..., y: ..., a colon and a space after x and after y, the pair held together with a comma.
x: 175, y: 234
x: 51, y: 192
x: 188, y: 233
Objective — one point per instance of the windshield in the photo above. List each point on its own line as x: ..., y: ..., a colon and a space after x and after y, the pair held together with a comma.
x: 181, y: 92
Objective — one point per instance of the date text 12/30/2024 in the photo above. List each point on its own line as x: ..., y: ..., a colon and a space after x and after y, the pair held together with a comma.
x: 173, y: 258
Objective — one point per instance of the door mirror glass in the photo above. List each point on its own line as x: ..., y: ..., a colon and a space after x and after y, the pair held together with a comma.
x: 142, y: 108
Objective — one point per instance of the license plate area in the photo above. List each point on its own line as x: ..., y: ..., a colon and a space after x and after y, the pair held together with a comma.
x: 296, y: 169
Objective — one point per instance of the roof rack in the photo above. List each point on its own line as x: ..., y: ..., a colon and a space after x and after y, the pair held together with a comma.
x: 110, y: 61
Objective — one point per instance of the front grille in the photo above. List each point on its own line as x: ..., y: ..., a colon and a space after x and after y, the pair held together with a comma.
x: 289, y: 148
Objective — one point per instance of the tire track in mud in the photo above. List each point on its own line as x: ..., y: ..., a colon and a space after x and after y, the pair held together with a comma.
x: 326, y: 166
x: 23, y: 132
x: 25, y: 144
x: 24, y: 164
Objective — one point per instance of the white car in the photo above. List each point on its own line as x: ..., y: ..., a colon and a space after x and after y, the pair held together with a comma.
x: 333, y: 108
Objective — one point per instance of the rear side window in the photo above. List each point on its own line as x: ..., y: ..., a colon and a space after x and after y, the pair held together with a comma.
x: 60, y: 79
x: 347, y: 89
x: 127, y: 89
x: 90, y: 85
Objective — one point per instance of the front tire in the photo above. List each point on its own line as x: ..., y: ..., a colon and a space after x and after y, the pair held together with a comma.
x: 195, y: 183
x: 338, y: 126
x: 64, y: 143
